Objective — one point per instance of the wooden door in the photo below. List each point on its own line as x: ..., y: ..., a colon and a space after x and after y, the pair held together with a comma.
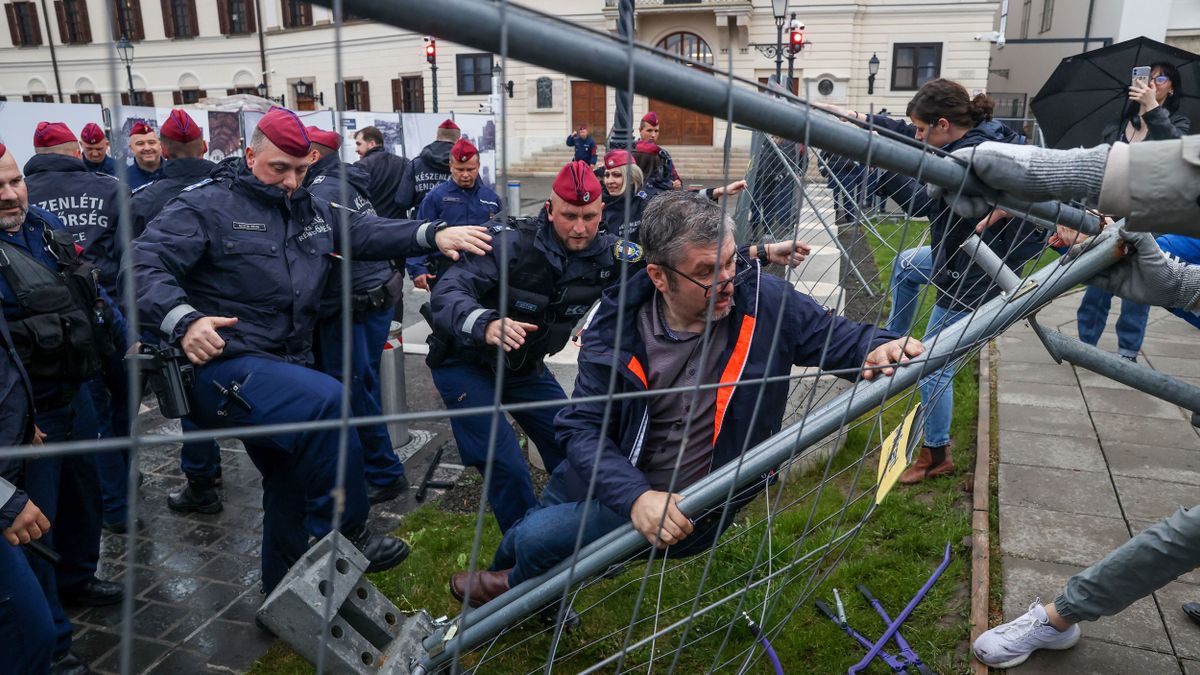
x: 589, y: 106
x: 677, y: 126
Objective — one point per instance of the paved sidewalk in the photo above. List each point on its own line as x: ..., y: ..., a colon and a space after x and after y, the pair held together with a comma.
x: 1084, y: 463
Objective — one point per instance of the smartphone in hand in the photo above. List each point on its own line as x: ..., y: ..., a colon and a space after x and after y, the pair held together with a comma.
x: 1141, y: 75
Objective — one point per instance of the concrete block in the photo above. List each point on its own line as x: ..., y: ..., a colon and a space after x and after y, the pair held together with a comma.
x: 1041, y: 395
x: 1051, y: 536
x: 1146, y: 431
x: 1185, y: 634
x: 1153, y: 499
x: 1154, y: 463
x: 1020, y: 371
x: 1108, y: 400
x: 1093, y: 657
x: 1081, y: 453
x: 1064, y: 490
x: 1037, y: 420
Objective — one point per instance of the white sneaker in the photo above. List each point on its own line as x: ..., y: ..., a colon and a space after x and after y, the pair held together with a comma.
x: 1009, y: 644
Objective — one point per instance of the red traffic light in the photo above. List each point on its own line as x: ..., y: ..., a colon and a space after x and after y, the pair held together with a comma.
x: 431, y: 51
x: 797, y: 42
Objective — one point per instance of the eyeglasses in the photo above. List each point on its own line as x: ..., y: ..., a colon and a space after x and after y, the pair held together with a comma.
x: 1161, y: 80
x: 740, y: 263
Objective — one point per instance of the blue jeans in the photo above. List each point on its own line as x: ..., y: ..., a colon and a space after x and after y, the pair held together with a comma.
x: 25, y: 620
x: 299, y: 469
x: 1131, y: 324
x: 367, y: 338
x: 937, y: 389
x: 911, y: 270
x: 546, y: 535
x: 510, y: 491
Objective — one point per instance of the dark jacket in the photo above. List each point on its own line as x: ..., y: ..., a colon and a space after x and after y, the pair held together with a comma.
x: 760, y: 304
x: 85, y: 202
x: 1161, y: 125
x: 16, y: 423
x: 324, y: 181
x: 430, y: 169
x: 466, y: 298
x: 585, y: 148
x: 385, y: 171
x: 961, y: 284
x: 150, y: 199
x: 137, y: 176
x: 456, y: 206
x: 612, y: 219
x: 232, y: 246
x: 108, y: 166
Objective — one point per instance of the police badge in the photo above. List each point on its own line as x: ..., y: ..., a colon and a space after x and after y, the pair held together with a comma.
x: 627, y: 251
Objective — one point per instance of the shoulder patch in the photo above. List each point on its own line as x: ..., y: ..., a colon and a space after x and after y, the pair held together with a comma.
x: 142, y: 187
x: 627, y: 251
x: 202, y: 183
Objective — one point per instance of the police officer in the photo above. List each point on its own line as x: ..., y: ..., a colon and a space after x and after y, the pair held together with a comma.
x: 147, y: 155
x: 648, y: 131
x: 95, y: 150
x: 61, y: 340
x: 462, y: 200
x: 376, y: 287
x: 85, y: 202
x: 231, y: 271
x: 557, y: 267
x: 429, y: 169
x: 385, y: 169
x: 25, y: 615
x: 619, y: 178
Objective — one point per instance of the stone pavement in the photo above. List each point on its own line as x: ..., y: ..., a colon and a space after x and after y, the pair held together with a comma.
x: 1086, y: 462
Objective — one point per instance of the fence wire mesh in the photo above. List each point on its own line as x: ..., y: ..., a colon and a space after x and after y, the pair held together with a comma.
x: 794, y: 505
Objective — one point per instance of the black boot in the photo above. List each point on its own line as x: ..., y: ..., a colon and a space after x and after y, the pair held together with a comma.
x: 382, y: 551
x: 198, y: 496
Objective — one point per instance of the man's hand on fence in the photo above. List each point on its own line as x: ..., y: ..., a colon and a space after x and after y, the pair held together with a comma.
x: 1147, y: 275
x: 647, y: 512
x: 790, y: 253
x: 890, y: 354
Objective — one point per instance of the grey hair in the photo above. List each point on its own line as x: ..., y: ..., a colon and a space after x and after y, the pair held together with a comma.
x: 677, y: 219
x: 258, y: 140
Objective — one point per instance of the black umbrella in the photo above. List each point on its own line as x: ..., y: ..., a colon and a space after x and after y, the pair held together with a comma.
x: 1088, y: 91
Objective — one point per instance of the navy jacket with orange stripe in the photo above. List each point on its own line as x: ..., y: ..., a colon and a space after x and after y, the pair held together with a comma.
x: 760, y: 303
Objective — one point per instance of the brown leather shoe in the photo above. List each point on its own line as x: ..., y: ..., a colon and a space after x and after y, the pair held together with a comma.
x: 923, y: 467
x: 485, y: 586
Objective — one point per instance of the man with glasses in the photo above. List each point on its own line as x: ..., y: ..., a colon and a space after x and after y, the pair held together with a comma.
x: 701, y: 314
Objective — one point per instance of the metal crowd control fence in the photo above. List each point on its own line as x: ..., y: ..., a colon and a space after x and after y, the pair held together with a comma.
x: 841, y: 273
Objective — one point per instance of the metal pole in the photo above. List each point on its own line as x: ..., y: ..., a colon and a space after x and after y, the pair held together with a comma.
x: 778, y: 48
x: 129, y: 73
x: 433, y: 68
x: 540, y: 40
x: 514, y: 197
x: 791, y: 86
x: 621, y: 135
x: 711, y: 491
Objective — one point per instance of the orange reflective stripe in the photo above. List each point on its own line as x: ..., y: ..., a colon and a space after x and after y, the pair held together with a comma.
x: 635, y: 367
x: 733, y: 372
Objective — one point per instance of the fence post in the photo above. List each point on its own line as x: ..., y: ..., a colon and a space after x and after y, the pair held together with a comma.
x: 391, y: 377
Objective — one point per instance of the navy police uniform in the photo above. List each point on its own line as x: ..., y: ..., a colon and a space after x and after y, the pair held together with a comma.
x: 456, y: 206
x: 376, y: 287
x: 430, y: 169
x: 108, y: 166
x: 613, y: 220
x: 136, y: 176
x: 233, y: 246
x: 548, y: 287
x: 385, y: 171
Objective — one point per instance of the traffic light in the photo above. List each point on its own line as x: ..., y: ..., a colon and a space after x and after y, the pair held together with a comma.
x: 796, y: 44
x: 431, y: 50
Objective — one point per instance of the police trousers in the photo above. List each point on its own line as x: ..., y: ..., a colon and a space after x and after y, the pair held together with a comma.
x: 299, y: 469
x: 25, y: 623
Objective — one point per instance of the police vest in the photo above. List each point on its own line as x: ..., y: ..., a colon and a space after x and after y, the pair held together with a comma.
x: 535, y: 296
x: 64, y: 330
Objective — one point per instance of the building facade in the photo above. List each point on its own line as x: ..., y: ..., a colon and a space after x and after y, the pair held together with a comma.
x: 186, y: 50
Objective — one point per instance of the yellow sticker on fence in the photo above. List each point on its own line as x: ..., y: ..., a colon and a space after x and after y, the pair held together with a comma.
x: 893, y: 455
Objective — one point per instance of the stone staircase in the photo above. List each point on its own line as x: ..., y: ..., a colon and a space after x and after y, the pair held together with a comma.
x: 696, y: 163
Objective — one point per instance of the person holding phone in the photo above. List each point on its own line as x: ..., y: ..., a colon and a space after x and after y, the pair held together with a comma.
x: 1151, y: 114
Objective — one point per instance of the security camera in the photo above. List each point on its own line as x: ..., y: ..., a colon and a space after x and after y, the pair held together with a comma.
x: 993, y: 37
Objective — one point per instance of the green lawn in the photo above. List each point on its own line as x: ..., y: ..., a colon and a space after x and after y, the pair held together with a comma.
x: 896, y: 549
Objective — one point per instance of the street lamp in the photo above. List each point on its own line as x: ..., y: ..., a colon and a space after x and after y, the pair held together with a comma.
x: 621, y: 134
x: 125, y: 53
x: 779, y: 9
x: 872, y: 71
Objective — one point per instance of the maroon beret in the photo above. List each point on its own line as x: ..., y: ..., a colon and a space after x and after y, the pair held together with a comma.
x: 283, y: 128
x: 92, y: 133
x: 577, y: 184
x: 329, y: 139
x: 180, y: 127
x: 3, y: 150
x: 448, y: 124
x: 140, y: 127
x: 49, y: 134
x: 615, y: 158
x: 651, y: 118
x: 648, y: 147
x: 463, y: 150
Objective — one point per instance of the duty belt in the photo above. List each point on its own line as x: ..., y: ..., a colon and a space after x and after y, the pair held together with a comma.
x: 375, y: 299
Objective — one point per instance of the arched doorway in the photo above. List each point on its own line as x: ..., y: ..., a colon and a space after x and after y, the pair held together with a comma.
x: 679, y: 126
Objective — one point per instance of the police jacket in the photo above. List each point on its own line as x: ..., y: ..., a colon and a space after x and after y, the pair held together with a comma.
x: 16, y: 426
x: 961, y: 284
x: 233, y: 246
x: 324, y: 182
x: 108, y: 166
x: 137, y: 176
x: 456, y: 206
x: 585, y: 148
x: 63, y: 325
x: 430, y: 169
x: 385, y: 170
x: 547, y: 287
x: 85, y: 202
x: 612, y: 219
x: 811, y: 335
x: 150, y: 199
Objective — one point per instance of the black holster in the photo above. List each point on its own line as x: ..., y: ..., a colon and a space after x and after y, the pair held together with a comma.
x: 170, y: 376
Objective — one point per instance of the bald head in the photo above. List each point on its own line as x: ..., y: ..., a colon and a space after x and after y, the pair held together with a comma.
x: 14, y: 197
x: 70, y: 149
